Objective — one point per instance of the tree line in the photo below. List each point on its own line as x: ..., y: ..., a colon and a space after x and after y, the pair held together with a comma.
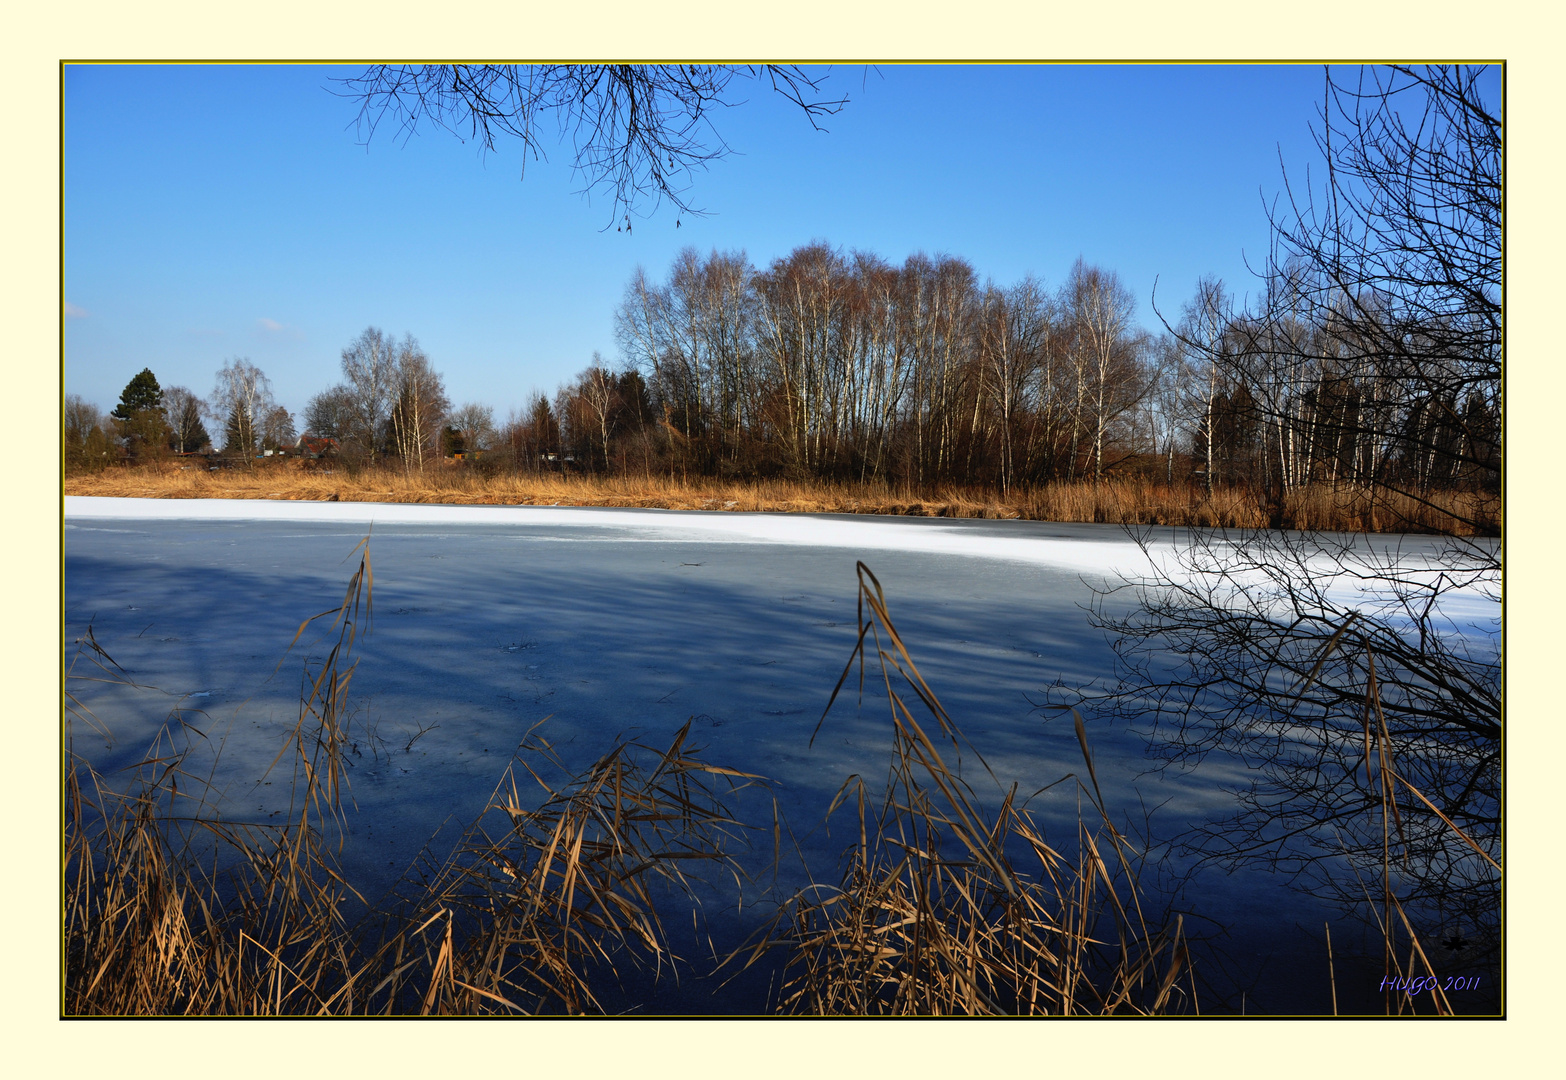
x: 847, y: 367
x: 152, y: 422
x: 391, y: 406
x: 841, y: 366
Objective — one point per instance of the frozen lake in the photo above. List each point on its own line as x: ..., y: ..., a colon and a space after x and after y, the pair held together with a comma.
x: 489, y: 619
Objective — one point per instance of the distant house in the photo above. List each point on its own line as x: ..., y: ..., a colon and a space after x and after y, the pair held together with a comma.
x: 316, y: 446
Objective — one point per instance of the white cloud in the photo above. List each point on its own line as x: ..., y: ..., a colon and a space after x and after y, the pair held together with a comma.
x: 74, y: 312
x: 271, y: 328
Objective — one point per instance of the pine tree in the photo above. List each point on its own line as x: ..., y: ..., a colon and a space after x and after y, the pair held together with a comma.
x: 239, y: 433
x: 141, y: 394
x: 187, y: 433
x: 198, y: 437
x: 144, y: 429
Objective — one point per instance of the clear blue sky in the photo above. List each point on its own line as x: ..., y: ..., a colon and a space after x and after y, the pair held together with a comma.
x: 214, y: 212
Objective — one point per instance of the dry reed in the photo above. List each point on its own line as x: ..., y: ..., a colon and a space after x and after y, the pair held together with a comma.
x: 945, y: 907
x: 1387, y: 911
x: 538, y: 903
x: 1111, y: 501
x: 173, y: 908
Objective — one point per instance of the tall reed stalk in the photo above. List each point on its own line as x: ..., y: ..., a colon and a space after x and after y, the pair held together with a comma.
x: 1385, y: 908
x: 173, y: 907
x: 947, y: 906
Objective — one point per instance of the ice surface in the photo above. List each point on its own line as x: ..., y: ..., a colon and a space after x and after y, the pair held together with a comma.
x: 1103, y: 551
x: 609, y: 622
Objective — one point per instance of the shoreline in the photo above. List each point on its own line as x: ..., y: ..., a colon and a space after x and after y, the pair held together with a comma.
x: 1112, y: 502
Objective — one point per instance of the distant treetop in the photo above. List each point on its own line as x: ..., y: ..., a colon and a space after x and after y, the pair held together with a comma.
x: 140, y: 395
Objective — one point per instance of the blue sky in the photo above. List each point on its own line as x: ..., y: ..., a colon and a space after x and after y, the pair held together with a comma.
x: 217, y: 212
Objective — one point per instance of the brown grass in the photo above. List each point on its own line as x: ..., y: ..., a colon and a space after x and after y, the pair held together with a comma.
x: 1130, y: 502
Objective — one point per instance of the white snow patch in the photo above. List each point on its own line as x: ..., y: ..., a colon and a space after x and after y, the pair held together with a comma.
x: 1089, y: 555
x: 1470, y: 608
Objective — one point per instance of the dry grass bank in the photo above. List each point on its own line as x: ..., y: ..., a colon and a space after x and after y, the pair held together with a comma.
x: 1139, y: 502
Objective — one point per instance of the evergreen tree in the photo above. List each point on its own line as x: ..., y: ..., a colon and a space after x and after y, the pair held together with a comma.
x: 198, y: 436
x: 143, y: 427
x: 141, y: 394
x: 187, y: 433
x: 239, y: 433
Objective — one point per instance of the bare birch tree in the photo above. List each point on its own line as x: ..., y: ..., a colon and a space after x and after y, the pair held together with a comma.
x: 241, y: 401
x: 184, y: 410
x: 370, y: 368
x: 1106, y: 352
x: 599, y: 391
x: 1204, y: 327
x: 419, y: 406
x: 1014, y: 340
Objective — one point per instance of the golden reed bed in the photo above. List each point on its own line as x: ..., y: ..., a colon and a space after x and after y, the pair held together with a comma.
x: 1134, y: 501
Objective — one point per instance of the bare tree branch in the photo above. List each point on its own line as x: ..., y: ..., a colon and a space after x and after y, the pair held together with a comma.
x: 638, y: 131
